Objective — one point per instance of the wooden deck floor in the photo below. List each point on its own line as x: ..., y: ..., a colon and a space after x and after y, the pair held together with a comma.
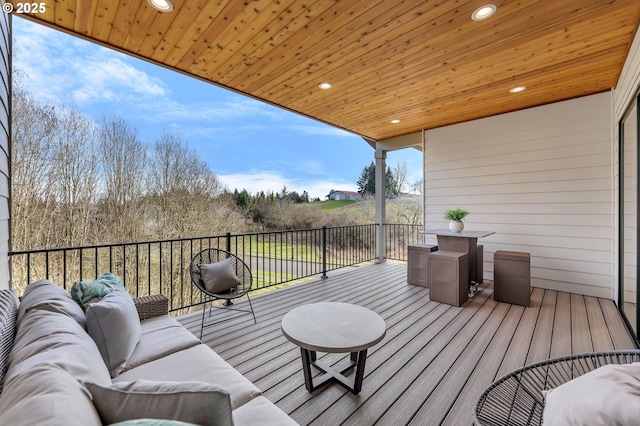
x: 435, y: 359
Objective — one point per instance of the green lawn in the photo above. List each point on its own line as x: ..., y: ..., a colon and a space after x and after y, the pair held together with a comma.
x: 272, y: 250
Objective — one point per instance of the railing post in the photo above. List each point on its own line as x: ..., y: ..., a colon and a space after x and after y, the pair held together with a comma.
x: 228, y: 239
x: 28, y: 268
x: 324, y: 251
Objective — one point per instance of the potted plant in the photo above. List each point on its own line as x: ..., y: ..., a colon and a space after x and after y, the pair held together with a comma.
x: 455, y: 216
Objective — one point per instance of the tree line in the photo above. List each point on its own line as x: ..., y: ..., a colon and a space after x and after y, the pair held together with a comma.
x: 395, y: 181
x: 76, y: 181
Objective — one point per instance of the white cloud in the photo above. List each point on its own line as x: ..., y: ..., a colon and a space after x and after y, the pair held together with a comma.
x: 222, y: 112
x: 255, y: 181
x: 108, y: 78
x: 92, y: 76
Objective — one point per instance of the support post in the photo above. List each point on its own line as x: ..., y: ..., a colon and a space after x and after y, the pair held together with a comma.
x: 324, y: 252
x: 381, y: 190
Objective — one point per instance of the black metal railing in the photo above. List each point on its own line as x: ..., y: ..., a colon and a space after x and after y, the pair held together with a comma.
x: 399, y: 236
x: 162, y: 266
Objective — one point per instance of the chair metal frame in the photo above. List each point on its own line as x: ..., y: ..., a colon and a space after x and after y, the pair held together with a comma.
x: 517, y: 399
x: 243, y: 272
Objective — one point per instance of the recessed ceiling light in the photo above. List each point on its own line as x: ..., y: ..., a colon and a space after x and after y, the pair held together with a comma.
x: 517, y: 89
x: 161, y: 5
x: 325, y: 86
x: 396, y: 121
x: 484, y: 12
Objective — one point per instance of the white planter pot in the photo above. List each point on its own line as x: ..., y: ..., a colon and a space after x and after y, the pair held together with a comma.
x: 456, y: 226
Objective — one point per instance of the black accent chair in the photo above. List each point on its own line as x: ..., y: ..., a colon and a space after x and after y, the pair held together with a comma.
x: 517, y: 399
x: 242, y: 285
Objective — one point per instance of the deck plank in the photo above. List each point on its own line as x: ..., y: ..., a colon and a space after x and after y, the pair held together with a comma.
x: 517, y: 351
x: 437, y: 405
x: 450, y: 346
x: 561, y: 340
x: 600, y: 336
x: 619, y: 333
x: 541, y: 341
x: 435, y: 359
x: 485, y: 370
x: 580, y: 333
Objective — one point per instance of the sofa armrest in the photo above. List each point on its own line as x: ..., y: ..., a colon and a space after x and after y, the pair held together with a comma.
x: 151, y: 306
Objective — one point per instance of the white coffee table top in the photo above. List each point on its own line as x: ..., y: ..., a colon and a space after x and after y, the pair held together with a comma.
x: 333, y: 327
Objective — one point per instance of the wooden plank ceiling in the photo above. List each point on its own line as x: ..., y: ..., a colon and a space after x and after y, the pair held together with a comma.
x: 425, y: 63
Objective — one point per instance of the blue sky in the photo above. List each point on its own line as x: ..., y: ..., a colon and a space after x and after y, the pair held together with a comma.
x: 247, y: 143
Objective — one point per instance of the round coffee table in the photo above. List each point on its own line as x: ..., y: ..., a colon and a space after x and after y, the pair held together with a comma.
x: 333, y: 327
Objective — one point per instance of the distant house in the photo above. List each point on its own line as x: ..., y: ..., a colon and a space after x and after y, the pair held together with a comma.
x: 344, y: 195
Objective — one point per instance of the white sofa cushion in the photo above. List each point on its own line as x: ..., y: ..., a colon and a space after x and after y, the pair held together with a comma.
x: 152, y: 422
x: 161, y: 336
x: 47, y: 395
x: 608, y: 395
x: 196, y: 363
x: 193, y: 402
x: 114, y: 325
x: 261, y: 411
x: 46, y: 295
x: 51, y: 354
x: 50, y: 338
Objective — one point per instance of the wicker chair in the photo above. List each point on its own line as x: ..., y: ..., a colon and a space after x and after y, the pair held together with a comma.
x: 242, y: 271
x: 516, y: 399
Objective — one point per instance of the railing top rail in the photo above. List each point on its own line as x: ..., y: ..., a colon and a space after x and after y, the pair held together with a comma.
x: 177, y: 240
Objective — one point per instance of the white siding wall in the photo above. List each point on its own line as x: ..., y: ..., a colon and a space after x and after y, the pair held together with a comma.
x: 5, y: 132
x: 541, y: 179
x: 629, y: 81
x: 625, y: 91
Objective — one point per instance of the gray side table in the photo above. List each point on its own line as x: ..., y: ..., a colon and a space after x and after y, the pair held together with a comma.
x: 333, y: 327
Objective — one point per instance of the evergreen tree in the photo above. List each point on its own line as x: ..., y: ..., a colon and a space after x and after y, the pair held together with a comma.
x: 392, y: 185
x: 367, y: 181
x: 242, y: 198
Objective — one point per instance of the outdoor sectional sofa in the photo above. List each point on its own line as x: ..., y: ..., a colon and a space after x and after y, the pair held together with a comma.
x: 53, y: 372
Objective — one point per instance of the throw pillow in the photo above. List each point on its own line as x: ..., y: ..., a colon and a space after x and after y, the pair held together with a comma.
x: 193, y: 402
x: 87, y: 292
x: 608, y: 395
x: 219, y: 276
x: 114, y: 325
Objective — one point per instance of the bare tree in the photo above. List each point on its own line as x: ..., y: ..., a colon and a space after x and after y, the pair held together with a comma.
x: 183, y: 187
x: 417, y: 187
x: 400, y: 176
x: 76, y: 171
x: 123, y: 160
x: 33, y: 201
